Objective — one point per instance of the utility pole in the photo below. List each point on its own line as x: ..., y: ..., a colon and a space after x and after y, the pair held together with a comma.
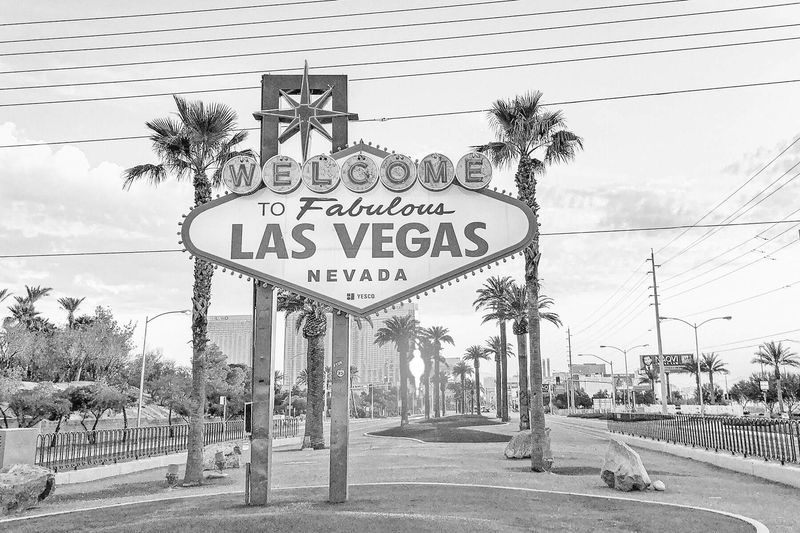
x: 662, y: 377
x: 570, y: 383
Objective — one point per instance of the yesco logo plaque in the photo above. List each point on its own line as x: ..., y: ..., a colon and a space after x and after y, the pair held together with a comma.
x: 361, y: 234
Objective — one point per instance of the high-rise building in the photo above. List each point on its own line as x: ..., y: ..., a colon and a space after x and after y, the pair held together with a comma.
x: 375, y: 364
x: 233, y: 334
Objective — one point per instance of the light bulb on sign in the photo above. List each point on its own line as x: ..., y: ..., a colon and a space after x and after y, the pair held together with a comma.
x: 416, y: 365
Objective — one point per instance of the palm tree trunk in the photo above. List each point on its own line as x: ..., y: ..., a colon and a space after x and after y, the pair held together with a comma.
x: 463, y: 395
x: 504, y: 362
x: 197, y: 399
x: 442, y: 388
x: 524, y: 393
x: 201, y: 299
x: 403, y: 386
x: 477, y: 386
x: 498, y: 384
x: 315, y: 368
x: 711, y: 397
x: 526, y: 187
x: 436, y: 411
x: 427, y: 383
x: 779, y: 386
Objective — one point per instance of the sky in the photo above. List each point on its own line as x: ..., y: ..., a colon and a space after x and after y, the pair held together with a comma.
x: 656, y: 161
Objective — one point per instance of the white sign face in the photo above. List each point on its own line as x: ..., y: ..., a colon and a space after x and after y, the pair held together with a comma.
x: 358, y: 252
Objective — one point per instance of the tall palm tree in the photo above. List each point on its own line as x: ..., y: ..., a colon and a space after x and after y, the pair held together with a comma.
x: 70, y: 305
x: 437, y: 335
x: 517, y: 296
x: 474, y: 354
x: 492, y: 297
x: 534, y: 138
x: 400, y: 330
x: 777, y: 355
x: 194, y: 144
x: 712, y: 364
x: 460, y: 371
x: 311, y: 319
x: 494, y: 347
x: 441, y: 381
x: 426, y: 353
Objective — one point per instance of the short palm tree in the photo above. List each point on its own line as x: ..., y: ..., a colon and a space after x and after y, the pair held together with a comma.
x: 310, y: 318
x: 492, y: 297
x: 426, y: 353
x: 474, y: 354
x: 495, y: 348
x: 436, y: 336
x: 534, y: 138
x: 517, y: 297
x: 401, y: 331
x: 441, y: 381
x: 460, y: 371
x: 712, y: 364
x: 650, y: 375
x: 777, y: 355
x: 70, y: 305
x: 195, y: 144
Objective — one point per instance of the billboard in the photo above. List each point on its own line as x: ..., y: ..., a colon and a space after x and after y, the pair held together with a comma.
x: 673, y: 362
x: 361, y: 236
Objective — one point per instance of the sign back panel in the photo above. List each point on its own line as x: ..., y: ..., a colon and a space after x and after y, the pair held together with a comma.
x: 359, y: 252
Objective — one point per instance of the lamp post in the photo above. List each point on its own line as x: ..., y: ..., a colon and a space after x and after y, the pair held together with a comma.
x: 144, y: 345
x: 625, y: 355
x: 613, y: 383
x: 696, y: 326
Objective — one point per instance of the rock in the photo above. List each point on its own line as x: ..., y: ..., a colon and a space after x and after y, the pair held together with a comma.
x: 521, y: 445
x: 659, y: 485
x: 225, y: 454
x: 623, y: 469
x: 24, y: 486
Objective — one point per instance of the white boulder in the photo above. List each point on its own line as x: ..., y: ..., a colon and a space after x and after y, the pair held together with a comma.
x: 659, y: 485
x: 24, y: 486
x: 623, y: 469
x: 521, y: 444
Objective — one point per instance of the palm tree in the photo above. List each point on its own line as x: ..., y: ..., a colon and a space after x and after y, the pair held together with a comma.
x: 777, y: 355
x: 353, y: 380
x: 437, y: 335
x: 193, y: 145
x: 474, y: 354
x: 400, y: 330
x: 460, y: 371
x: 492, y: 296
x: 534, y: 138
x: 311, y: 319
x: 302, y: 378
x: 70, y: 305
x: 426, y: 354
x: 494, y: 346
x: 712, y: 364
x: 441, y: 380
x: 517, y: 297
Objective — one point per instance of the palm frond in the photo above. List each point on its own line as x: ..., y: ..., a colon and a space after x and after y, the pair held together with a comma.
x: 155, y: 174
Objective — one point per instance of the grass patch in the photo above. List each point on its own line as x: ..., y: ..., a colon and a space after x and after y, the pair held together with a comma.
x: 447, y: 429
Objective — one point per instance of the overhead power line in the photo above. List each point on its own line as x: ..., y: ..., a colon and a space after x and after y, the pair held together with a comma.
x: 164, y: 13
x: 327, y: 17
x: 454, y: 113
x: 395, y: 61
x: 755, y: 338
x: 618, y: 290
x: 409, y: 75
x: 749, y: 298
x: 545, y: 234
x: 296, y: 34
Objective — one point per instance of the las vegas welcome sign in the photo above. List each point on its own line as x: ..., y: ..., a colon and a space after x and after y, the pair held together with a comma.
x: 362, y: 233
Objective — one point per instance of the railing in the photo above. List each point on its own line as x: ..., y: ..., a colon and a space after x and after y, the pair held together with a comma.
x: 777, y: 440
x: 59, y: 451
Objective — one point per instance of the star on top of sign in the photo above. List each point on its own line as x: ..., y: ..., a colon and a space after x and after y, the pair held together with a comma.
x: 305, y: 115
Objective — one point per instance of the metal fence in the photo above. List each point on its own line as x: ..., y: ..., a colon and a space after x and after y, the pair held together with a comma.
x: 776, y: 440
x: 73, y: 450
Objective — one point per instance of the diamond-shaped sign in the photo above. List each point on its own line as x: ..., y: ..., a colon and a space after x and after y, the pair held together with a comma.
x: 359, y: 252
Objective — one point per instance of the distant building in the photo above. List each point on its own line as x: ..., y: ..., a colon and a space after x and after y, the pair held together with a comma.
x: 375, y: 364
x: 233, y: 334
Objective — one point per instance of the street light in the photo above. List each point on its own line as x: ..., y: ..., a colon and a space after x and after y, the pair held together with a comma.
x: 696, y: 326
x: 625, y: 355
x: 613, y: 383
x: 144, y: 343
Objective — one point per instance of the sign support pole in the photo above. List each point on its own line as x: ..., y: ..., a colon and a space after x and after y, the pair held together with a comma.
x: 340, y: 390
x: 264, y: 312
